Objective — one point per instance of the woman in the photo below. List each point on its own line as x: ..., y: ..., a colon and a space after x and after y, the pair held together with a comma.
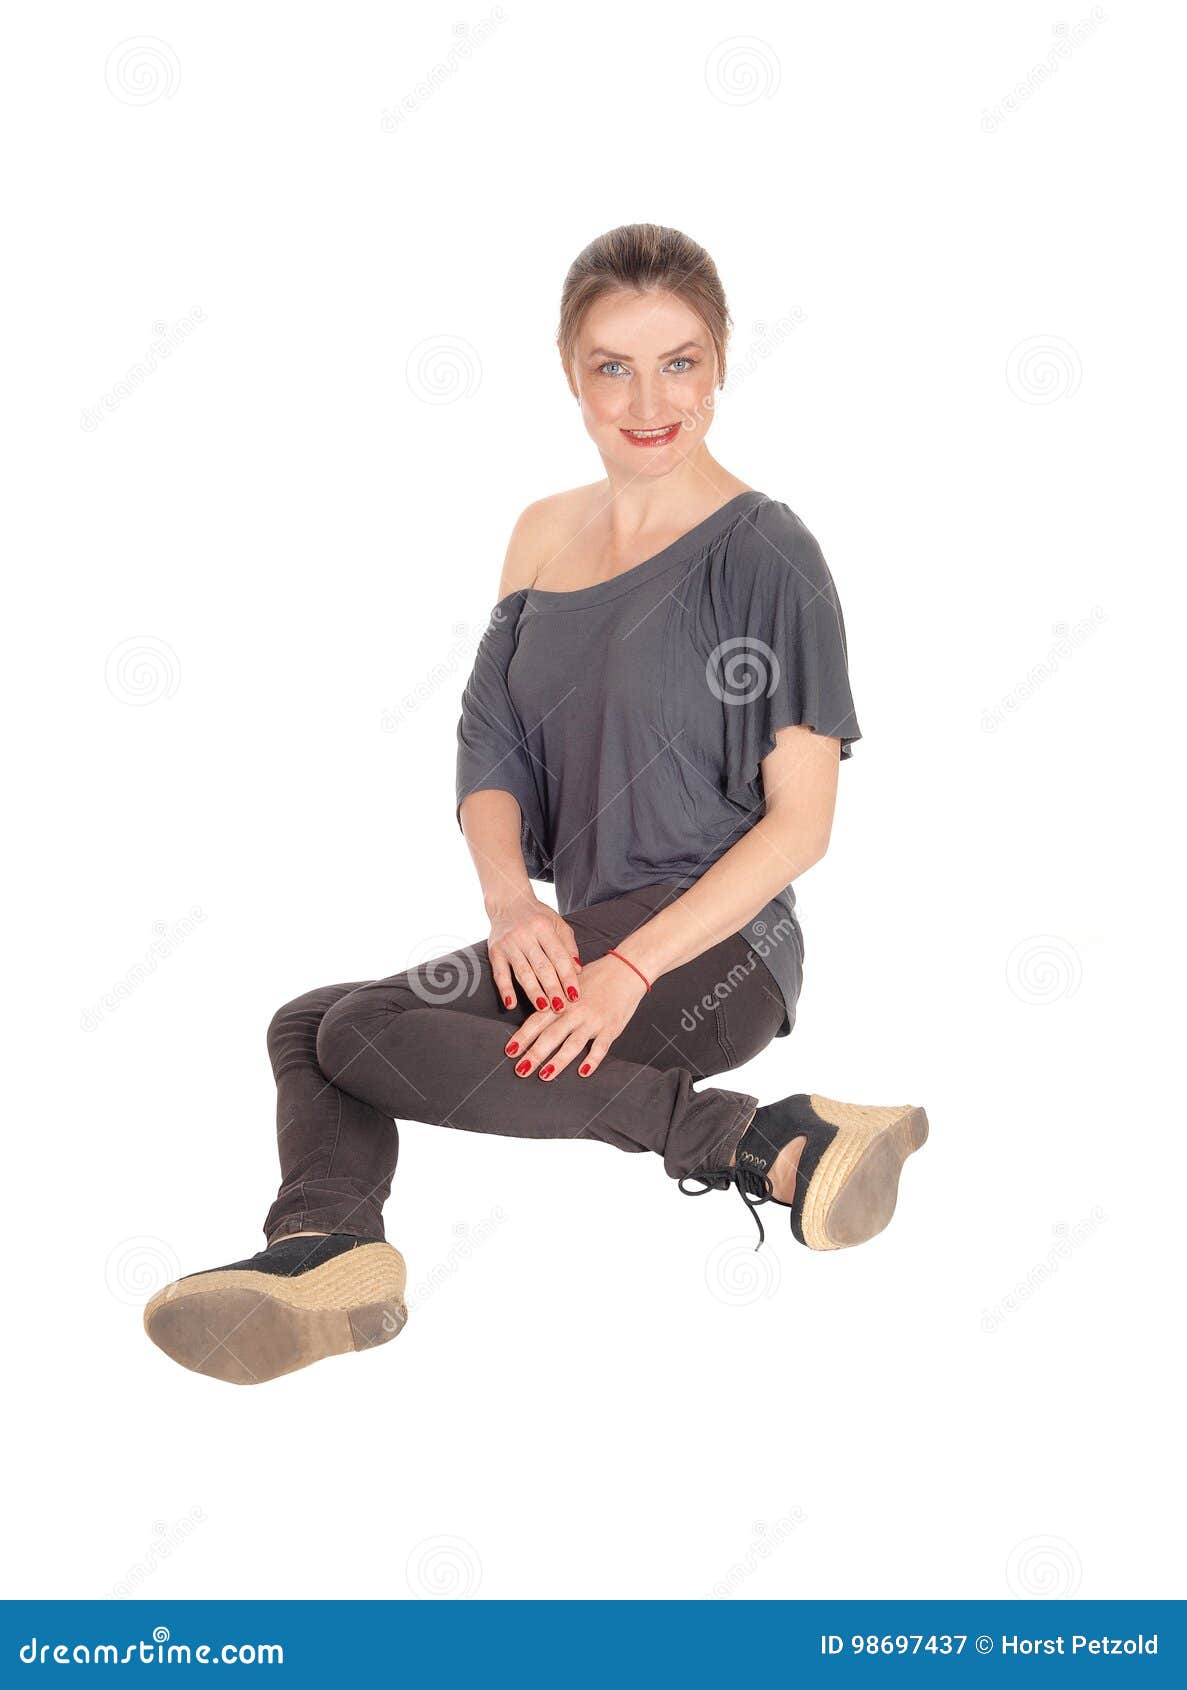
x: 654, y: 723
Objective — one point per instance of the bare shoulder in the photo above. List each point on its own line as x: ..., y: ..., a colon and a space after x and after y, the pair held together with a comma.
x: 543, y: 529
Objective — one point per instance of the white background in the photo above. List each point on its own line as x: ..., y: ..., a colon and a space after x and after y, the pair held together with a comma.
x: 242, y: 606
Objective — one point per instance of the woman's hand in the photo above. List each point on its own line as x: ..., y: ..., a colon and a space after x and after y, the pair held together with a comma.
x: 531, y: 941
x: 548, y: 1042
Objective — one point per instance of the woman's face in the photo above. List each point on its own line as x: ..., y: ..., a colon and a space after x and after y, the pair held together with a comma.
x: 642, y: 363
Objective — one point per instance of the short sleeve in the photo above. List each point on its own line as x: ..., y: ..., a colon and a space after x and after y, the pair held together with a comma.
x: 492, y: 750
x: 783, y: 659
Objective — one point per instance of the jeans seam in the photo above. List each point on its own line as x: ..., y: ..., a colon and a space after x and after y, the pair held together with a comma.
x: 337, y: 1136
x: 723, y: 1037
x: 732, y: 1137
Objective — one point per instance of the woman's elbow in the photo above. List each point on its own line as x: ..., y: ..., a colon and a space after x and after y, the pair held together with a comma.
x: 805, y: 840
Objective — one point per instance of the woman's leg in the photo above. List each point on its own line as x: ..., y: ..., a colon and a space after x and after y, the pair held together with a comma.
x: 428, y: 1045
x: 337, y: 1154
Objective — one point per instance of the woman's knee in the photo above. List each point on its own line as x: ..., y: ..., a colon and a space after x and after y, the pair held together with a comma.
x: 361, y: 1018
x: 293, y: 1029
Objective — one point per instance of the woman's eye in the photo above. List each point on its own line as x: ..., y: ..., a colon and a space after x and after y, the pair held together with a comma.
x: 612, y: 366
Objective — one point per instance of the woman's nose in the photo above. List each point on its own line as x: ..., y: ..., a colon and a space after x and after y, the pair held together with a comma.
x: 645, y: 402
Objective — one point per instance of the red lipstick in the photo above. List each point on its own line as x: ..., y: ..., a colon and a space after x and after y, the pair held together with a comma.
x: 650, y: 437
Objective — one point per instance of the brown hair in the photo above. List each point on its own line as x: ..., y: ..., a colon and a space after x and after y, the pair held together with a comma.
x: 643, y: 257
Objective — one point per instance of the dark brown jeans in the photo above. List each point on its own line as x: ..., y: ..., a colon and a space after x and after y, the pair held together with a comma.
x: 428, y: 1045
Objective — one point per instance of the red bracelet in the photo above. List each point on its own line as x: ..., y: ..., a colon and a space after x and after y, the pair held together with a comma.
x: 630, y: 964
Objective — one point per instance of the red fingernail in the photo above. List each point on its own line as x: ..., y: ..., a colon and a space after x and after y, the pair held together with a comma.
x: 522, y: 1067
x: 512, y: 1048
x: 579, y: 962
x: 541, y: 1003
x: 508, y: 1002
x: 572, y: 991
x: 546, y: 1070
x: 584, y: 1068
x: 558, y: 1003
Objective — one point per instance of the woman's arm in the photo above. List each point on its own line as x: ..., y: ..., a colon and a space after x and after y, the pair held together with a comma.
x: 529, y: 942
x: 800, y: 781
x: 800, y: 786
x: 490, y: 818
x: 491, y: 825
x: 778, y: 599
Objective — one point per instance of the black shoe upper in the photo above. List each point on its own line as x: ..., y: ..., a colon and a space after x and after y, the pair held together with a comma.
x: 292, y: 1256
x: 774, y: 1126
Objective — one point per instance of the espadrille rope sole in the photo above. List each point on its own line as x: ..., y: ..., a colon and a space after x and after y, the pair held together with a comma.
x: 245, y: 1327
x: 854, y: 1190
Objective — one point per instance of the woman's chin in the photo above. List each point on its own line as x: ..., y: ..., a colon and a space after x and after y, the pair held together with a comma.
x: 646, y: 461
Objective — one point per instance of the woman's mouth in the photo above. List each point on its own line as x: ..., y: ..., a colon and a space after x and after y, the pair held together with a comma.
x: 652, y: 436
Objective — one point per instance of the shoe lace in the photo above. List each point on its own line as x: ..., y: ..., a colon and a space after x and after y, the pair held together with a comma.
x: 752, y: 1187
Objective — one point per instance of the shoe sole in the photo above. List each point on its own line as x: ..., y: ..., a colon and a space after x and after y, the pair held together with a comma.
x: 245, y: 1327
x: 854, y: 1190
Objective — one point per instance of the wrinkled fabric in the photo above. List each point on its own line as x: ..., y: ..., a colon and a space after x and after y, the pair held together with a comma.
x: 629, y: 719
x: 353, y: 1060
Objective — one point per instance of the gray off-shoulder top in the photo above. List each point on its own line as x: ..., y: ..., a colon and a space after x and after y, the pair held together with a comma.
x: 629, y: 719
